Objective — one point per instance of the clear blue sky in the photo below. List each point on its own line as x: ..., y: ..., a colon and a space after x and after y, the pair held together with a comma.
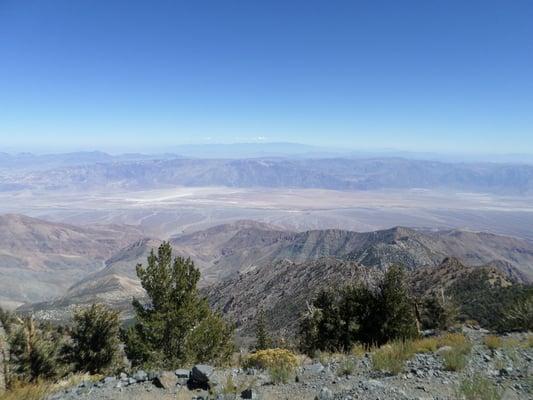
x: 127, y: 75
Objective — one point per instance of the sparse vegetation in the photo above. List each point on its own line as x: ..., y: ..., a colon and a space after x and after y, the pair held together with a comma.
x: 454, y: 359
x: 478, y: 387
x: 391, y: 357
x: 452, y: 340
x: 425, y: 345
x: 493, y: 342
x: 347, y: 366
x: 27, y: 391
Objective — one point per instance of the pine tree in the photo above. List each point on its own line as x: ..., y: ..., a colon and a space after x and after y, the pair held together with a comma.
x: 395, y: 309
x: 33, y: 352
x: 262, y: 338
x: 95, y: 339
x: 176, y: 326
x: 358, y: 314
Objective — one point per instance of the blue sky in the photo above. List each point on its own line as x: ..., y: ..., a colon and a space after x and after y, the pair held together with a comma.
x: 449, y: 76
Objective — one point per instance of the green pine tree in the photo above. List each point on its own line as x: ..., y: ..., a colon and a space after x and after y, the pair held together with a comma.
x: 95, y: 339
x: 395, y: 309
x: 176, y: 325
x: 33, y: 352
x: 262, y: 338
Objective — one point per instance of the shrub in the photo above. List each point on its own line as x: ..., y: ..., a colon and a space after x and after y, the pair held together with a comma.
x: 268, y: 358
x: 176, y: 326
x: 280, y: 373
x: 358, y: 350
x: 425, y: 345
x: 454, y: 359
x: 95, y: 339
x: 280, y: 363
x: 478, y: 387
x: 493, y: 342
x: 438, y: 312
x: 520, y: 315
x: 452, y: 340
x: 391, y: 357
x: 346, y: 367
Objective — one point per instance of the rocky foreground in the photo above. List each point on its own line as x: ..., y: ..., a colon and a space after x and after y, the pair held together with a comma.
x: 509, y: 369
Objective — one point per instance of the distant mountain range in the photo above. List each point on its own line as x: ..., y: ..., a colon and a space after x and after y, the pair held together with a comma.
x: 248, y: 248
x: 324, y: 173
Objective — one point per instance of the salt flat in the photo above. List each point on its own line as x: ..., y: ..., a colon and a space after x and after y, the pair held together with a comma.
x: 169, y: 211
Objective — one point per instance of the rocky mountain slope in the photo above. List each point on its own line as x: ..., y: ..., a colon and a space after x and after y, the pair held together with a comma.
x: 231, y: 255
x: 224, y: 250
x: 40, y: 259
x: 285, y: 289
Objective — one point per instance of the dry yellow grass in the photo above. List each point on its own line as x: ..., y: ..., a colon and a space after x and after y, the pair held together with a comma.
x: 358, y: 350
x: 391, y: 357
x: 425, y: 345
x: 493, y: 342
x: 36, y: 391
x: 452, y: 340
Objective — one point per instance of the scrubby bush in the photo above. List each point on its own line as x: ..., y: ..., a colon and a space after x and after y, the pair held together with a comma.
x: 520, y: 315
x: 491, y: 304
x: 493, y: 342
x: 271, y: 357
x: 95, y: 339
x: 176, y: 326
x: 391, y: 357
x: 357, y: 314
x: 280, y: 363
x: 425, y: 345
x: 478, y: 387
x: 438, y: 312
x: 454, y: 359
x: 453, y: 340
x: 347, y: 366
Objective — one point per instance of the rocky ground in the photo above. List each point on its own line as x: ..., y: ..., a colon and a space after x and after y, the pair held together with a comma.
x: 509, y: 368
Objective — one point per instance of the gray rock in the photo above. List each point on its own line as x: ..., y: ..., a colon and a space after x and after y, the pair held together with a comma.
x: 182, y: 373
x: 201, y: 373
x: 249, y: 394
x: 140, y: 376
x: 109, y: 380
x: 315, y: 368
x: 166, y: 380
x: 325, y: 394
